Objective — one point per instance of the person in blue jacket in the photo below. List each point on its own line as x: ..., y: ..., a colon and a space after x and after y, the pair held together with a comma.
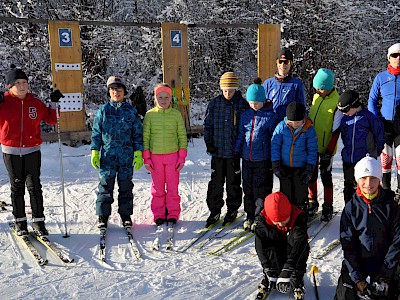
x: 361, y: 133
x: 117, y: 144
x: 370, y: 238
x: 284, y: 88
x: 221, y: 127
x: 254, y: 146
x: 385, y: 91
x: 294, y: 151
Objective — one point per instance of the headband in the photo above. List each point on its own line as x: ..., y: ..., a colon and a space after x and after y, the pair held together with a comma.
x: 162, y: 88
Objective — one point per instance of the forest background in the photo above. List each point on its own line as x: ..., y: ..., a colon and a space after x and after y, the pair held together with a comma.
x: 349, y: 37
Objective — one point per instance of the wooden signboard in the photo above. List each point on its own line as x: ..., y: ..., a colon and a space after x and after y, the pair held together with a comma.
x: 175, y: 59
x: 269, y: 45
x: 66, y: 69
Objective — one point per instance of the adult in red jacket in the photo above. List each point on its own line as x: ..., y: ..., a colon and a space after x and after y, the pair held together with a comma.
x: 20, y: 117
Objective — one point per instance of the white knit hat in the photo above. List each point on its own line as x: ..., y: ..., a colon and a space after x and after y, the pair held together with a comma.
x: 395, y: 47
x: 368, y: 166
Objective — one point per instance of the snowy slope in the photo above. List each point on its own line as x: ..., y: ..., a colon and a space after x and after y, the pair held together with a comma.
x: 164, y: 275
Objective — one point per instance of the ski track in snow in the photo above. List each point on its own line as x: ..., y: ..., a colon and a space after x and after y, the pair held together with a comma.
x: 159, y: 274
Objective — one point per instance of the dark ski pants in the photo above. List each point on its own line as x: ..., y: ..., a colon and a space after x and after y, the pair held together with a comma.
x: 326, y: 178
x: 25, y: 170
x: 223, y: 171
x: 257, y: 177
x: 294, y: 188
x: 350, y: 183
x: 105, y: 195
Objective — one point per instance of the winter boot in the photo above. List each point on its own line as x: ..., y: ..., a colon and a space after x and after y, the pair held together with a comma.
x: 102, y: 222
x: 21, y: 227
x: 160, y: 221
x: 171, y: 221
x: 126, y: 222
x: 313, y: 206
x: 213, y: 218
x: 327, y: 211
x: 297, y: 282
x: 39, y: 228
x: 230, y: 217
x: 247, y: 224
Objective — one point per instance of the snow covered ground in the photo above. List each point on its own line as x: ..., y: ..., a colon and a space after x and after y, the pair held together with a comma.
x: 158, y: 275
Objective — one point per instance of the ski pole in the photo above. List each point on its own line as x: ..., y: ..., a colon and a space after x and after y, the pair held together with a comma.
x: 61, y: 168
x: 313, y: 271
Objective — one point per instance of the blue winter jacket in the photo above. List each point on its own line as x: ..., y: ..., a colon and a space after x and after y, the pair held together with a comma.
x: 283, y: 93
x: 255, y: 133
x: 221, y: 124
x: 294, y: 150
x: 117, y: 132
x: 361, y: 133
x: 386, y: 86
x: 370, y: 236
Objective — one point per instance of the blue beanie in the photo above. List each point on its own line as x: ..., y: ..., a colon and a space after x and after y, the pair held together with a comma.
x: 256, y: 93
x: 324, y: 79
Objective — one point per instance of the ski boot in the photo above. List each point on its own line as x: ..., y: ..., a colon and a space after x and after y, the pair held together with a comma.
x: 160, y: 221
x: 248, y: 224
x: 213, y: 218
x: 39, y: 228
x: 298, y: 286
x: 264, y: 288
x: 327, y: 211
x: 102, y: 223
x: 21, y: 226
x: 126, y: 222
x: 230, y: 217
x: 171, y: 221
x: 313, y: 206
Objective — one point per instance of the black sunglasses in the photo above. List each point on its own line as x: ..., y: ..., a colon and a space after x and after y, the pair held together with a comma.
x: 344, y: 109
x: 395, y: 55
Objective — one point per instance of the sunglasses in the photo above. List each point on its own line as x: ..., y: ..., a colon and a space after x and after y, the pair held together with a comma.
x: 344, y: 109
x: 283, y: 61
x: 395, y: 55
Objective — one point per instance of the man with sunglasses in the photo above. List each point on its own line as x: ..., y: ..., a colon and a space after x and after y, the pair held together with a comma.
x: 386, y: 89
x: 284, y: 88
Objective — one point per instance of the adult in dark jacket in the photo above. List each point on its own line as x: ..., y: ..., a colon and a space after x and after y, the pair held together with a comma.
x: 370, y: 238
x: 221, y: 127
x: 283, y: 88
x: 139, y: 102
x: 282, y: 246
x: 386, y: 89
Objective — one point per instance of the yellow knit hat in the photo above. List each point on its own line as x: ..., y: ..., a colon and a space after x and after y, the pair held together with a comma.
x: 229, y: 81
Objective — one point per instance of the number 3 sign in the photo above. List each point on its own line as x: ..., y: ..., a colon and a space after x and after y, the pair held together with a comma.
x: 65, y: 37
x: 176, y: 38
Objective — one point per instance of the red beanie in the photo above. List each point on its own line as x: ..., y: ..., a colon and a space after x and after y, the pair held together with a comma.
x: 277, y: 207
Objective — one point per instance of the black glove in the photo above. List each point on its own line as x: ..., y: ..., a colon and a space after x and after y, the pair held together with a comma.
x: 380, y: 287
x: 283, y: 283
x: 278, y: 170
x: 307, y: 174
x: 325, y: 162
x: 56, y: 96
x: 1, y: 97
x: 211, y: 149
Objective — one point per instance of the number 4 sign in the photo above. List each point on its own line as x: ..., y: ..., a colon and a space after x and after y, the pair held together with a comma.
x: 65, y: 37
x: 176, y: 38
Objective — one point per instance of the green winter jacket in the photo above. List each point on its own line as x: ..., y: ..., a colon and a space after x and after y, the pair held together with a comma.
x: 164, y: 131
x: 322, y: 112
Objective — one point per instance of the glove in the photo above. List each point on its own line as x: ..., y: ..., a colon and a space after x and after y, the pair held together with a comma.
x: 180, y: 163
x: 56, y: 96
x: 179, y: 166
x: 278, y: 170
x: 307, y: 174
x: 1, y: 97
x: 380, y: 287
x: 137, y: 160
x: 95, y: 159
x: 149, y: 167
x: 283, y: 283
x: 325, y: 162
x: 272, y: 276
x: 211, y: 149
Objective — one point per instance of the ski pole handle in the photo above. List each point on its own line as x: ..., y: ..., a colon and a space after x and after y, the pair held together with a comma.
x: 313, y: 271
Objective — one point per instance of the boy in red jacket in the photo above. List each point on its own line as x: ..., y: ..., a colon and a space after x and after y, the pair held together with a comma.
x: 20, y: 117
x: 282, y: 246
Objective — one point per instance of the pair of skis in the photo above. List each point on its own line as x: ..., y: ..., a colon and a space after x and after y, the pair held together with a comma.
x: 44, y: 240
x: 131, y: 240
x: 169, y: 245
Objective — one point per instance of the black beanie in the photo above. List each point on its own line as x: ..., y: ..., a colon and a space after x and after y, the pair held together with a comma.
x: 349, y: 99
x: 13, y: 75
x: 295, y: 111
x: 285, y: 54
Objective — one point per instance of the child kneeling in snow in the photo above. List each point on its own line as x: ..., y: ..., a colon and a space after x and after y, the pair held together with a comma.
x: 282, y: 246
x: 370, y: 238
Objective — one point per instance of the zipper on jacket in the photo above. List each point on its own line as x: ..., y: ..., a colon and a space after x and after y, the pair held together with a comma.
x: 22, y: 127
x: 251, y: 135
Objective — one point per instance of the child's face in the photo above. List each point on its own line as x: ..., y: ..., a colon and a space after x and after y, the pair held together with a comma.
x: 116, y: 93
x: 256, y: 105
x: 368, y: 184
x: 20, y: 88
x: 282, y: 223
x: 294, y: 124
x: 228, y: 93
x: 323, y: 93
x: 163, y: 100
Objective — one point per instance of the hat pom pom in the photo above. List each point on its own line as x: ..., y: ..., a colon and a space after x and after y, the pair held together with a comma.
x: 257, y: 80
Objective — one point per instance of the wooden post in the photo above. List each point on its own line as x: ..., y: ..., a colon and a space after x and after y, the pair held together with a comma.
x: 66, y: 69
x: 175, y: 68
x: 269, y: 44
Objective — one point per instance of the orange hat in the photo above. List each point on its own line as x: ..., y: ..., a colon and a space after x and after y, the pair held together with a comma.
x: 277, y: 207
